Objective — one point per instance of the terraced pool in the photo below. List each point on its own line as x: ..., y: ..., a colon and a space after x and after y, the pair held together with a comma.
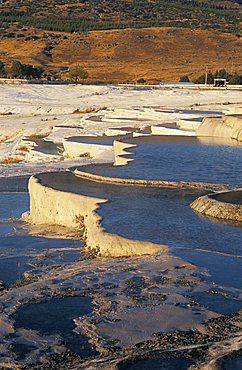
x: 178, y: 159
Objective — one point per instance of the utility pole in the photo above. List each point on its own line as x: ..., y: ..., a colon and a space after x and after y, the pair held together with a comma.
x: 206, y: 76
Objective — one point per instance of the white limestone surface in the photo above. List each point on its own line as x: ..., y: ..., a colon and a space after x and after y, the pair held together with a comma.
x: 229, y: 126
x: 120, y: 152
x: 50, y: 206
x: 224, y: 207
x: 74, y: 149
x: 189, y: 124
x: 57, y: 112
x: 161, y: 130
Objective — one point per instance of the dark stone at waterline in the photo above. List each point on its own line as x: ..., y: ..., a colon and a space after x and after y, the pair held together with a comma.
x: 58, y: 362
x: 2, y: 285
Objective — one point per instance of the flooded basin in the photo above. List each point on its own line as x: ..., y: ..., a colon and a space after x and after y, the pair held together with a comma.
x: 155, y: 214
x: 178, y: 159
x: 157, y: 364
x: 232, y: 363
x: 215, y: 301
x: 163, y: 215
x: 55, y: 316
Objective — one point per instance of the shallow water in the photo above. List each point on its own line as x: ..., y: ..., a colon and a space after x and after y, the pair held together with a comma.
x: 163, y: 216
x: 18, y: 249
x: 14, y: 184
x: 217, y: 302
x: 158, y: 364
x: 159, y: 215
x: 178, y: 159
x: 28, y: 251
x: 13, y: 204
x: 11, y: 269
x: 233, y: 363
x: 230, y: 197
x: 55, y: 316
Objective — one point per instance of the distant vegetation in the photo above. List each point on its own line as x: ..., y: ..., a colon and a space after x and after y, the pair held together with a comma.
x: 232, y: 78
x: 72, y: 15
x: 19, y: 70
x: 78, y: 73
x: 28, y: 71
x: 2, y: 69
x: 184, y: 78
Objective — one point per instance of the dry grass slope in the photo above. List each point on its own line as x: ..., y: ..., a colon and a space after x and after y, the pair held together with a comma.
x: 154, y: 54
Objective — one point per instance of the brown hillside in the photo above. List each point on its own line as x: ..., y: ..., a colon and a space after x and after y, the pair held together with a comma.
x: 127, y: 55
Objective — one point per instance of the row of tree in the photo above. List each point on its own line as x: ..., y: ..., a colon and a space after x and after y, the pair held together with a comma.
x: 78, y: 73
x: 111, y: 14
x: 232, y: 78
x: 20, y: 70
x: 28, y: 71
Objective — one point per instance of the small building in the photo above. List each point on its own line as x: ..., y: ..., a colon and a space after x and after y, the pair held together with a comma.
x: 220, y: 82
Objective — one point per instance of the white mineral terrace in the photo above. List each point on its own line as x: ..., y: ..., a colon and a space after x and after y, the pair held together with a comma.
x: 91, y: 151
x: 54, y: 127
x: 226, y: 205
x: 65, y: 208
x: 50, y: 206
x: 37, y: 120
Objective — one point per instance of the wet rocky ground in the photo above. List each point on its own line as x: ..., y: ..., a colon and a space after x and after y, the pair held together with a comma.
x: 62, y: 319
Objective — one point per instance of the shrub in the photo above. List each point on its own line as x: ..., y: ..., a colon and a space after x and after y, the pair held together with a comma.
x: 19, y: 70
x: 184, y: 78
x: 200, y: 79
x: 2, y: 69
x: 78, y: 73
x: 235, y: 80
x: 141, y: 81
x: 222, y: 73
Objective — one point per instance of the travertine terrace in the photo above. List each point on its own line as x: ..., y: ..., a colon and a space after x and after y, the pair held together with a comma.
x: 109, y: 234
